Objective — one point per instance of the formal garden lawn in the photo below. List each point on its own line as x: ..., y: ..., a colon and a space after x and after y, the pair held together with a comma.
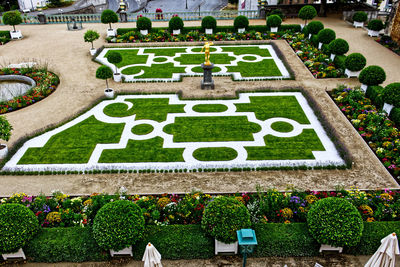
x: 242, y: 62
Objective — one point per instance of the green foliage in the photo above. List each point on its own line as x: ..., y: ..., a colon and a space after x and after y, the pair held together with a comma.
x: 5, y: 129
x: 338, y: 46
x: 278, y: 12
x: 210, y: 108
x: 223, y: 217
x: 375, y: 25
x: 336, y: 222
x: 64, y: 244
x: 208, y: 22
x: 284, y: 240
x: 241, y: 22
x: 118, y: 225
x: 143, y: 23
x: 307, y: 13
x: 215, y: 154
x: 177, y: 242
x: 391, y: 94
x: 360, y: 16
x: 91, y: 36
x: 104, y: 72
x: 314, y: 27
x: 274, y: 21
x: 339, y: 62
x: 375, y: 93
x: 175, y: 23
x: 109, y: 16
x: 326, y: 36
x: 18, y: 225
x: 395, y: 116
x: 355, y: 62
x: 114, y: 57
x: 12, y: 18
x: 372, y: 75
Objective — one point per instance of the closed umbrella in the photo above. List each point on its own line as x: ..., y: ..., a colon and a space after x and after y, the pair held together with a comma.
x: 151, y: 257
x: 385, y: 256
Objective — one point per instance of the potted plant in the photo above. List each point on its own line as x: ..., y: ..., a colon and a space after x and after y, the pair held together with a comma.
x: 374, y: 27
x: 307, y: 13
x: 208, y: 24
x: 18, y: 225
x: 371, y: 76
x: 241, y: 23
x: 104, y: 73
x: 107, y: 17
x: 143, y: 24
x: 314, y: 27
x: 175, y: 25
x: 117, y: 226
x: 89, y: 37
x: 325, y: 36
x: 221, y: 219
x: 5, y: 134
x: 335, y: 223
x: 114, y: 58
x: 354, y: 63
x: 359, y: 18
x: 338, y: 47
x: 159, y: 14
x: 391, y: 97
x: 13, y: 18
x: 274, y: 22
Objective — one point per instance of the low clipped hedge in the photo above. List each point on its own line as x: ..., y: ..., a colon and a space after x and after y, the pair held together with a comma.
x: 372, y: 75
x: 355, y: 62
x: 375, y: 93
x: 395, y: 116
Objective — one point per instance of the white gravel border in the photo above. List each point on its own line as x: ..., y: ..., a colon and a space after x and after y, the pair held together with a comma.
x: 322, y: 158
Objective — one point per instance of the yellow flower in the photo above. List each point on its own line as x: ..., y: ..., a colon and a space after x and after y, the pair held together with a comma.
x: 367, y: 210
x: 88, y: 202
x: 311, y: 199
x: 53, y: 217
x: 287, y: 222
x: 361, y: 116
x: 240, y: 199
x: 386, y: 196
x: 162, y: 202
x: 287, y: 213
x: 370, y: 219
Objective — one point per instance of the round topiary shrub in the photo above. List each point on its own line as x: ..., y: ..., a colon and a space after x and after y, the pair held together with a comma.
x: 175, y: 23
x: 223, y: 216
x: 314, y: 27
x: 114, y: 57
x: 5, y: 129
x: 109, y: 16
x: 91, y: 36
x: 104, y: 73
x: 338, y: 46
x: 395, y: 115
x: 143, y: 23
x: 355, y: 62
x: 372, y: 75
x: 307, y: 13
x: 326, y: 36
x: 241, y: 22
x: 209, y: 22
x: 360, y: 16
x: 18, y: 225
x: 118, y: 225
x: 391, y: 94
x: 12, y: 18
x: 375, y: 25
x: 335, y: 222
x: 274, y: 21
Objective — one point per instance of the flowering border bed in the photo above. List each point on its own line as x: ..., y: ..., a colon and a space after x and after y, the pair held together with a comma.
x: 387, y: 42
x: 46, y: 83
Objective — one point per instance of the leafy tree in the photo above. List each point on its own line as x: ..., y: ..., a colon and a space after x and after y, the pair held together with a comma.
x: 307, y: 13
x: 109, y: 16
x: 114, y: 58
x: 104, y: 73
x: 12, y: 18
x: 91, y: 36
x: 5, y: 129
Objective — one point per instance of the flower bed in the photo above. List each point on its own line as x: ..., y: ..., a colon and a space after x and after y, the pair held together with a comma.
x: 319, y: 63
x: 375, y: 127
x: 387, y: 42
x: 268, y: 207
x: 46, y: 83
x: 4, y: 37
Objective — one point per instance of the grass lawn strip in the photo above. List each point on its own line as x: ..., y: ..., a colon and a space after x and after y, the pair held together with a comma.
x: 242, y: 62
x: 210, y: 108
x: 139, y: 151
x: 215, y: 154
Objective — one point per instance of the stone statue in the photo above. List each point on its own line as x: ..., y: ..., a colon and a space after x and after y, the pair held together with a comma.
x: 206, y: 48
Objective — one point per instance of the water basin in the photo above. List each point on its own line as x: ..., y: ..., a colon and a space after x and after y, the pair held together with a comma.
x: 12, y: 86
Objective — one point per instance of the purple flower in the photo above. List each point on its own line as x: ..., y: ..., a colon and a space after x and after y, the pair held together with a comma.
x: 46, y: 208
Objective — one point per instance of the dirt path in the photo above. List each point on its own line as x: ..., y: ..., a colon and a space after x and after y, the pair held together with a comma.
x: 67, y: 55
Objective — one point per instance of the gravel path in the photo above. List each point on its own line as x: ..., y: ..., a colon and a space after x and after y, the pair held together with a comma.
x: 66, y: 54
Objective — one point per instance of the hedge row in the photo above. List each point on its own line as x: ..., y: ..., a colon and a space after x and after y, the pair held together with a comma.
x: 257, y: 28
x: 190, y: 242
x: 5, y: 34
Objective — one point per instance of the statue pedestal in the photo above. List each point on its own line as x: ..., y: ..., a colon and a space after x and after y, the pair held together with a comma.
x: 207, y: 82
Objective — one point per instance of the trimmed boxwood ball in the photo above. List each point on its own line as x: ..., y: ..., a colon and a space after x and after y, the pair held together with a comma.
x: 12, y: 18
x: 241, y: 22
x: 339, y: 62
x: 375, y: 25
x: 118, y: 225
x: 109, y: 16
x: 223, y: 216
x: 143, y: 23
x: 307, y: 13
x: 391, y: 94
x: 355, y: 62
x: 18, y: 225
x: 326, y: 36
x: 360, y: 16
x: 208, y: 22
x: 335, y: 222
x: 395, y: 115
x: 114, y: 57
x: 338, y: 46
x: 175, y: 23
x: 315, y: 26
x: 372, y: 75
x: 274, y: 21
